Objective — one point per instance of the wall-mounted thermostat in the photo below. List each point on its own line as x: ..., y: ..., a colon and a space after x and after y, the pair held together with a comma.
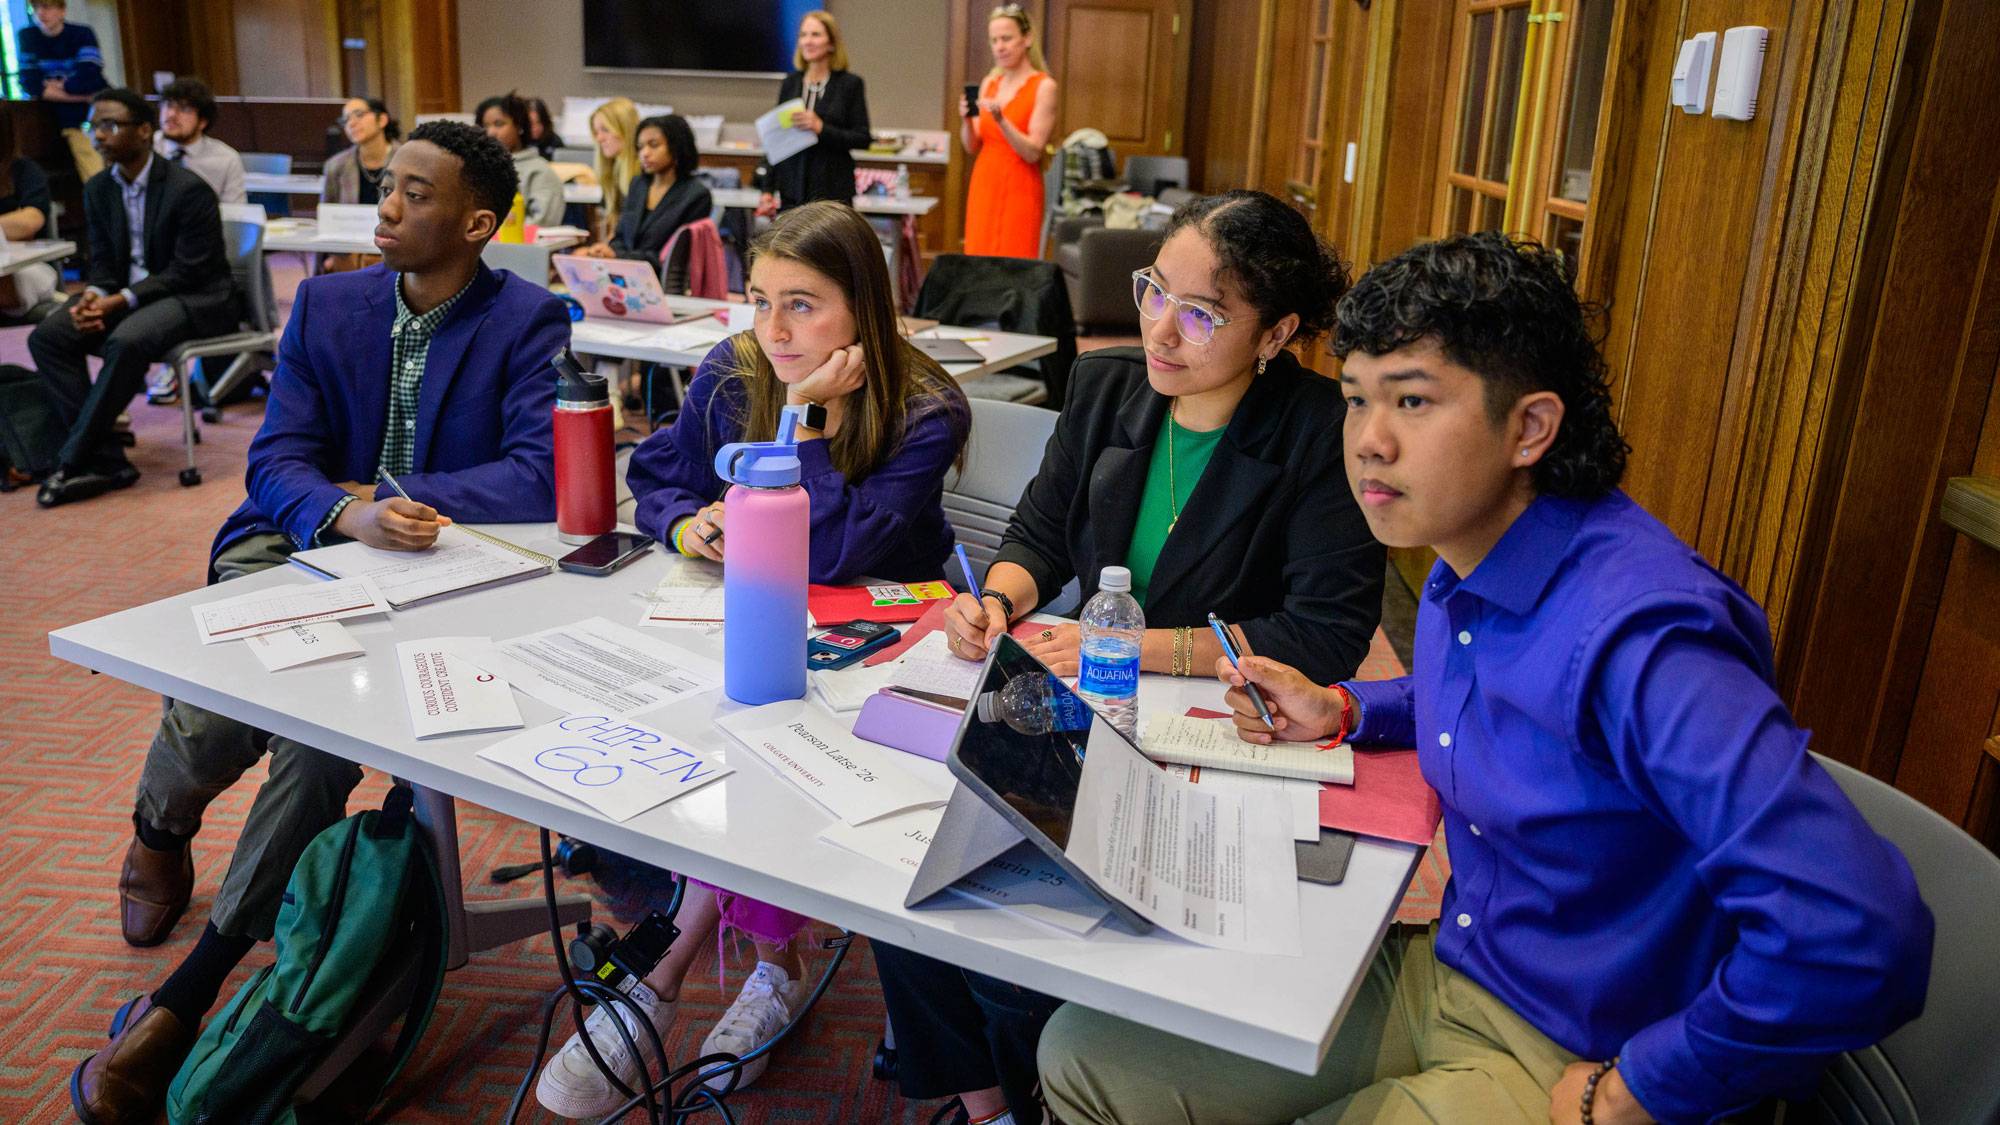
x: 1690, y: 86
x: 1737, y: 75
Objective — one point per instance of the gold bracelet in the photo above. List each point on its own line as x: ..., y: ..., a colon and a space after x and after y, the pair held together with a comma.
x: 1183, y: 651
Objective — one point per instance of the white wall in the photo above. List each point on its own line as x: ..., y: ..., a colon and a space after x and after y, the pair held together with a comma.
x: 536, y: 47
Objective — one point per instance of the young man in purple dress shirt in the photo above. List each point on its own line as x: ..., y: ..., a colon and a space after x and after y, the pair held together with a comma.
x: 1660, y: 907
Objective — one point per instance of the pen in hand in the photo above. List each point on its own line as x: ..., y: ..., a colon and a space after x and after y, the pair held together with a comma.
x: 1229, y: 650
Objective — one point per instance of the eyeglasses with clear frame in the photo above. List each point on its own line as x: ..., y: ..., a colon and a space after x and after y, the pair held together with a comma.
x: 1197, y: 323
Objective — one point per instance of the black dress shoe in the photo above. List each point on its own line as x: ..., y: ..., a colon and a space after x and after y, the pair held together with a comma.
x: 66, y: 486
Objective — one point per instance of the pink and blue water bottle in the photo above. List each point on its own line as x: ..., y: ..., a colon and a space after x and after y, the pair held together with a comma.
x: 769, y: 522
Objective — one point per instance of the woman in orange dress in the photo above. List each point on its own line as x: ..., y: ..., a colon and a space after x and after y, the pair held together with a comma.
x: 1017, y: 112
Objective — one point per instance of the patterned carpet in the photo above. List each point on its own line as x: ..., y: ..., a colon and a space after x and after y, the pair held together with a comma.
x: 70, y: 749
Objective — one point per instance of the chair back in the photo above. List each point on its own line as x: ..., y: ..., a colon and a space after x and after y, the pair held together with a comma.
x: 243, y: 234
x: 268, y: 163
x: 1002, y: 454
x: 1012, y: 294
x: 1147, y: 175
x: 528, y: 261
x: 1941, y: 1066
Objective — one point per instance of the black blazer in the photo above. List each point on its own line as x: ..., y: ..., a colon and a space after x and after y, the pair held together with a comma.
x: 826, y: 170
x: 1274, y: 540
x: 642, y: 234
x: 185, y: 256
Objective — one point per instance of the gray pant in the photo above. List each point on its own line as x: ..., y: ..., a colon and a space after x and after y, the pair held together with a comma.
x: 197, y: 754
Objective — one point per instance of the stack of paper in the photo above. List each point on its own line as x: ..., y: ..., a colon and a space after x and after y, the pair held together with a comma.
x: 1213, y: 744
x: 460, y: 560
x: 690, y: 593
x: 283, y: 607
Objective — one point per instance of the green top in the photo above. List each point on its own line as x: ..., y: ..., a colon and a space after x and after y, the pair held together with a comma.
x: 1190, y: 451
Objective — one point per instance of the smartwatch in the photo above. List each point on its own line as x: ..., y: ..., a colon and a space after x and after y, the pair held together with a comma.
x: 815, y: 417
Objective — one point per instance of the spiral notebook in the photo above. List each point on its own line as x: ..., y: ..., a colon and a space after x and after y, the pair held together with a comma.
x: 462, y: 559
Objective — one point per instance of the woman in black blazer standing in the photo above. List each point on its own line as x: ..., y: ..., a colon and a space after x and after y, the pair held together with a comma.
x: 1209, y: 462
x: 664, y: 197
x: 836, y: 108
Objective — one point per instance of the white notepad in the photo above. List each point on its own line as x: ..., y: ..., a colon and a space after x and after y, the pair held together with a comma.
x: 462, y: 559
x: 1212, y: 744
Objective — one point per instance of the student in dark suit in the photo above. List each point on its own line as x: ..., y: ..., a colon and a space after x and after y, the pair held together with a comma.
x: 664, y: 197
x: 429, y: 367
x: 159, y: 276
x: 1213, y: 424
x: 836, y: 108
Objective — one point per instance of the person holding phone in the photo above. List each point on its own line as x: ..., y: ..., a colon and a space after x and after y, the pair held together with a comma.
x: 1208, y: 463
x: 1015, y: 113
x: 1660, y: 907
x: 884, y: 424
x: 836, y: 110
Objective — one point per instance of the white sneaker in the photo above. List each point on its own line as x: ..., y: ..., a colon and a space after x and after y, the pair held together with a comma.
x: 572, y: 1086
x: 769, y: 1000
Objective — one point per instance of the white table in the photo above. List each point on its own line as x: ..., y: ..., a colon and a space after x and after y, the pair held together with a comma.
x: 303, y: 236
x: 614, y: 340
x: 271, y: 183
x: 574, y: 192
x: 753, y: 832
x: 18, y: 255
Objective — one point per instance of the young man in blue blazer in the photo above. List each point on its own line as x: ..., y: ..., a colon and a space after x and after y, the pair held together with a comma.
x: 429, y: 368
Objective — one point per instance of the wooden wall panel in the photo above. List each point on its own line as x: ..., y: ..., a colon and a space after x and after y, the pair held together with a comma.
x: 283, y: 50
x: 1106, y: 58
x: 1223, y: 78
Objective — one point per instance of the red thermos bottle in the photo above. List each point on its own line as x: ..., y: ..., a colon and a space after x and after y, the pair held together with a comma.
x: 586, y: 496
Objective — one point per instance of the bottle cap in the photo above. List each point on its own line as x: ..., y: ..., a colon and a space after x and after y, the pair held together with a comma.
x: 576, y: 386
x: 764, y: 464
x: 1116, y: 579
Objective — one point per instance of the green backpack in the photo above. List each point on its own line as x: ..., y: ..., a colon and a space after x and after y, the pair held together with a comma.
x: 363, y: 897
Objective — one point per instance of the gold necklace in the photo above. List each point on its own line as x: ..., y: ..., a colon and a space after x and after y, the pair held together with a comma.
x: 1173, y: 489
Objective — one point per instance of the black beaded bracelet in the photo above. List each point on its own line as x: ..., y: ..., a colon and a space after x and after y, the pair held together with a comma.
x: 1590, y: 1086
x: 1006, y: 603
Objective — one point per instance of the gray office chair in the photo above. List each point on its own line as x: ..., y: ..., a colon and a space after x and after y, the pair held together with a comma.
x: 1941, y: 1068
x: 1149, y: 175
x: 1002, y: 454
x: 243, y: 231
x: 270, y: 164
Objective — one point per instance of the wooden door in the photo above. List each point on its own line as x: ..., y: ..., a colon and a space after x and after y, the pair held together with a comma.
x: 1123, y: 66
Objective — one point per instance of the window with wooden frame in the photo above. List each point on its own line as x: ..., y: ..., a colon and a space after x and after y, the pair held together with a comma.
x: 1520, y: 148
x: 1308, y: 153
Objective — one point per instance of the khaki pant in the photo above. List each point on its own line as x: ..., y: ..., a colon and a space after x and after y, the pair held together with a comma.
x: 1421, y: 1043
x: 197, y: 754
x: 88, y: 161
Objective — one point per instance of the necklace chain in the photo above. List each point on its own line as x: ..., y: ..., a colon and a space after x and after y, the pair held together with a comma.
x: 1173, y: 488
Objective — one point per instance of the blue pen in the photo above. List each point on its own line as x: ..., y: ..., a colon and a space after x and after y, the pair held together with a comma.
x: 965, y: 564
x: 1229, y: 650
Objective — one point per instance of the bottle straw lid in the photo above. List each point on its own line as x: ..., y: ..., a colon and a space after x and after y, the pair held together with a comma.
x: 764, y: 464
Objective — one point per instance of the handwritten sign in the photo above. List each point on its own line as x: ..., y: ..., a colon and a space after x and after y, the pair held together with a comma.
x: 855, y: 780
x: 448, y: 694
x: 616, y: 766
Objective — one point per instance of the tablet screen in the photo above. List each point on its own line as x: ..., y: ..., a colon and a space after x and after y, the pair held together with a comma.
x: 1025, y: 739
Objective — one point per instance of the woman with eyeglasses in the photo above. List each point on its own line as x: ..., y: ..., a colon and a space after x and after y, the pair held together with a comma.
x: 1208, y: 462
x: 356, y: 174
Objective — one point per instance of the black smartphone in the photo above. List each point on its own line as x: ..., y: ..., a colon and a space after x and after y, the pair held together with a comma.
x: 972, y: 101
x: 844, y: 644
x: 606, y: 553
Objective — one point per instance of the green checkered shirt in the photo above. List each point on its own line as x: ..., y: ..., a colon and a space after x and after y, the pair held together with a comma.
x: 410, y: 347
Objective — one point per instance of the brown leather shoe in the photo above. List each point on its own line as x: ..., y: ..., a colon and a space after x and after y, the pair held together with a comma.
x: 126, y: 1083
x: 153, y: 891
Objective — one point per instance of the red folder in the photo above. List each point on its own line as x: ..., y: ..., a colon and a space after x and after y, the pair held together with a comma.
x: 1389, y: 797
x: 838, y: 605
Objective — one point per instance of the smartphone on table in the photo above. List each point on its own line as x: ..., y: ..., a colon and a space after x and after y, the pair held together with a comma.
x: 606, y: 553
x: 844, y: 644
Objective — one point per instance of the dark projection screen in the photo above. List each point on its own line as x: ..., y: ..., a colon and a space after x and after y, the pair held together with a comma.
x: 729, y: 36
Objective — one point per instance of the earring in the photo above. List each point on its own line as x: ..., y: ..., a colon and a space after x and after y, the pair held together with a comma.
x: 1261, y: 362
x: 1524, y: 453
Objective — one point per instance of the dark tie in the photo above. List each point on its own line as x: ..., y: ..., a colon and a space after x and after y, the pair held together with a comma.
x: 179, y: 156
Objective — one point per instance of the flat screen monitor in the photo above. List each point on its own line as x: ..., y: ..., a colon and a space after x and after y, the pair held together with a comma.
x: 703, y: 36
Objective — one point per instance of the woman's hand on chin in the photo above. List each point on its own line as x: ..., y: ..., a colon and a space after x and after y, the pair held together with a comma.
x: 843, y: 373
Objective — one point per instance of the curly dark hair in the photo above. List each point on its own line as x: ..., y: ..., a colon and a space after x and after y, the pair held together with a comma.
x: 1272, y: 254
x: 679, y: 135
x: 1504, y: 309
x: 487, y: 168
x: 195, y: 94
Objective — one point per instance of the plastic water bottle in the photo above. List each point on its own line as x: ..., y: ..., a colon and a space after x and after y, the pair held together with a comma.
x: 1112, y: 627
x: 768, y: 517
x: 902, y: 181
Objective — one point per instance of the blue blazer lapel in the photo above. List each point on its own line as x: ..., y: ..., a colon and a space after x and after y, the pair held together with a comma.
x: 368, y: 325
x: 454, y: 339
